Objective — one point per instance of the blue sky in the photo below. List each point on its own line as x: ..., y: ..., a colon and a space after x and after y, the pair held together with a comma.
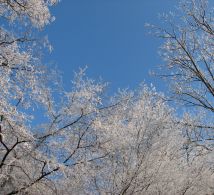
x: 109, y: 36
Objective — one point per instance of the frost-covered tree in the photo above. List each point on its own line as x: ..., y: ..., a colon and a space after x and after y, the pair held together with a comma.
x: 188, y: 51
x: 140, y: 134
x: 145, y: 154
x: 22, y: 86
x: 85, y: 143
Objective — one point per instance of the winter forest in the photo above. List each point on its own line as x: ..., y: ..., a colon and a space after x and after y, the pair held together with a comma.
x: 89, y: 142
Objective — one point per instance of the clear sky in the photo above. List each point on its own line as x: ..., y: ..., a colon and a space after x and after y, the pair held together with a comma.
x: 109, y: 36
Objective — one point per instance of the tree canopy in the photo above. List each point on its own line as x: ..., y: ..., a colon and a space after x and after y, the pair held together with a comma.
x: 89, y: 143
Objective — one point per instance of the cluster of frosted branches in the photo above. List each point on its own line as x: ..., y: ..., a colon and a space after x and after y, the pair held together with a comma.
x: 130, y: 143
x: 189, y: 53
